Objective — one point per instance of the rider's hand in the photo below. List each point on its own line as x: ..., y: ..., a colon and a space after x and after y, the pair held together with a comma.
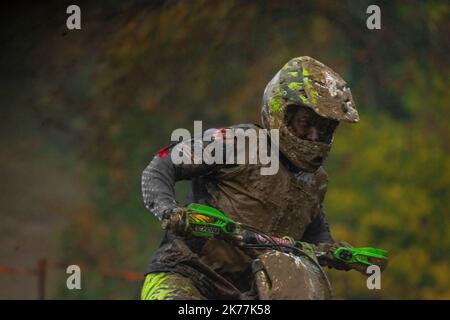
x: 327, y: 258
x: 362, y: 268
x: 175, y: 221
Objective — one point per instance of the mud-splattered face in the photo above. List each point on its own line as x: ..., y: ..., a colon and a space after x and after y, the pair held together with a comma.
x: 308, y: 125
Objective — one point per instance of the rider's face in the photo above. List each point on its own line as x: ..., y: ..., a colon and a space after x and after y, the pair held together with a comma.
x: 308, y: 125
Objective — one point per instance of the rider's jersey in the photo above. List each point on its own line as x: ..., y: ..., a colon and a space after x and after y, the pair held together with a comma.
x: 286, y: 203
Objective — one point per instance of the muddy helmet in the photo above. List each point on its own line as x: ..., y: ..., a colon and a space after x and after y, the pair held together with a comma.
x: 306, y: 82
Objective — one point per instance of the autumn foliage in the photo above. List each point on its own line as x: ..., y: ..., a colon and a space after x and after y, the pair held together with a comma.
x: 136, y: 72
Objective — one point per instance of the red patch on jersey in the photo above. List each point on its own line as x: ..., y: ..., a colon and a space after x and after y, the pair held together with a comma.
x: 220, y: 133
x: 164, y: 152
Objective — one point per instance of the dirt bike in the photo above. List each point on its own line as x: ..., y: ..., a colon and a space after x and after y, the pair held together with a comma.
x: 286, y: 268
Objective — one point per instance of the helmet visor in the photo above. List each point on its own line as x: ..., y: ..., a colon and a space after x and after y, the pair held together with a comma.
x: 308, y: 125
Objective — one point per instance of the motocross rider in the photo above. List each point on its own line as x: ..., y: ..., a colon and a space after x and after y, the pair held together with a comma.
x: 305, y: 100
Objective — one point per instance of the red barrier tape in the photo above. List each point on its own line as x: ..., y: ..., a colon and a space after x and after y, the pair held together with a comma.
x: 129, y: 276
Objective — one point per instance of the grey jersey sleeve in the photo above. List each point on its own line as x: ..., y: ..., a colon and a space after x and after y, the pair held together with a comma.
x: 159, y: 177
x: 158, y: 184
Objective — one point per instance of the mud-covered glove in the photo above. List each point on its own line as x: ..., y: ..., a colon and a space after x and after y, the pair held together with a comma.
x: 342, y: 256
x: 325, y: 255
x: 175, y: 221
x: 360, y: 258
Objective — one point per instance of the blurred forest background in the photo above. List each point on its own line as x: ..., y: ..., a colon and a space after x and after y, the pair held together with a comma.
x: 83, y: 112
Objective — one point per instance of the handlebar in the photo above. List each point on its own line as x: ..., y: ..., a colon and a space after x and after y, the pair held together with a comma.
x: 207, y: 222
